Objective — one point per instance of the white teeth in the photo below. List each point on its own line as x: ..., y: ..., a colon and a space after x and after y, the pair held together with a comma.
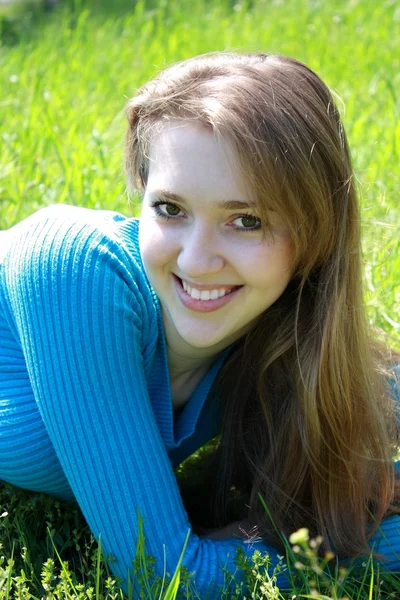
x: 195, y: 294
x: 204, y: 294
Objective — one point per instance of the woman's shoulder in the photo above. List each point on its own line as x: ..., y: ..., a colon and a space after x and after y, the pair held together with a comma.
x: 67, y: 227
x: 78, y: 263
x: 61, y: 240
x: 105, y: 221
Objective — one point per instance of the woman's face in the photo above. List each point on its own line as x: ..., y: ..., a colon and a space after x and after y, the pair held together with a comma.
x: 197, y: 229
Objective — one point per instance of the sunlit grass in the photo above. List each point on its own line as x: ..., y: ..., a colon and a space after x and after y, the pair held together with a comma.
x: 65, y: 78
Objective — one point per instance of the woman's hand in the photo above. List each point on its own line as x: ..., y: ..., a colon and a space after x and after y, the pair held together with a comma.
x: 239, y: 529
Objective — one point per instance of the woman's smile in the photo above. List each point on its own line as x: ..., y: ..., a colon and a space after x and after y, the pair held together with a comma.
x: 204, y: 300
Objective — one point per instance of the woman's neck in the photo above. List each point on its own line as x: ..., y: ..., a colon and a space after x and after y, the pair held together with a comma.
x: 181, y: 365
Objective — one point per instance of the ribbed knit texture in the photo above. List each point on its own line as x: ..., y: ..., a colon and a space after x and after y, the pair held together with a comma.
x: 85, y: 402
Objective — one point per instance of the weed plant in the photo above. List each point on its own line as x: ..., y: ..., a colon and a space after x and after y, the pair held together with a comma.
x: 64, y: 79
x: 47, y: 552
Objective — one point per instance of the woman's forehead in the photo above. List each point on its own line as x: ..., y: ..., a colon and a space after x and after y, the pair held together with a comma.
x: 196, y: 160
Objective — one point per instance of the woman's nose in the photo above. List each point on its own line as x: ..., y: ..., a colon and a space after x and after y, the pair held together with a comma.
x: 200, y: 253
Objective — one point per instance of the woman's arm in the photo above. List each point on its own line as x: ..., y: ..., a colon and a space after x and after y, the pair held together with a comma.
x: 82, y: 324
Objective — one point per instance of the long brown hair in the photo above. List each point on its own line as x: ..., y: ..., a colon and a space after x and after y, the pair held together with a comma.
x: 308, y: 418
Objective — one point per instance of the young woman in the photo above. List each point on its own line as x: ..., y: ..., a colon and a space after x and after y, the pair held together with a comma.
x: 232, y: 307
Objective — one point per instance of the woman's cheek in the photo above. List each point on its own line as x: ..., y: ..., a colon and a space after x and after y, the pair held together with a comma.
x: 157, y: 246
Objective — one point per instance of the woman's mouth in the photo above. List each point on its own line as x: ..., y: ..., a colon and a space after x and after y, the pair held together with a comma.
x: 204, y: 300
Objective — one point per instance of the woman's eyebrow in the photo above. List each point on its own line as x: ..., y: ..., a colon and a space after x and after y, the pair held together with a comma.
x: 222, y: 204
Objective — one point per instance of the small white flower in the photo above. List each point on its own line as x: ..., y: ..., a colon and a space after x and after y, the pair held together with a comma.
x: 300, y: 536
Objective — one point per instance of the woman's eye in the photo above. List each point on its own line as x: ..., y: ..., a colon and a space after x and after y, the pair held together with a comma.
x: 172, y: 210
x: 248, y: 222
x: 165, y: 210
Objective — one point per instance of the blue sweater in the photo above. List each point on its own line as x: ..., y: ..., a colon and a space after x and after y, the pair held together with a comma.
x: 85, y: 401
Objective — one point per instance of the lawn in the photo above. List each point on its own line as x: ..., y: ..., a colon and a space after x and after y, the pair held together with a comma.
x: 65, y: 77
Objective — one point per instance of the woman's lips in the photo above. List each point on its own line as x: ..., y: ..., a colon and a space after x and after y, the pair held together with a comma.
x: 202, y: 305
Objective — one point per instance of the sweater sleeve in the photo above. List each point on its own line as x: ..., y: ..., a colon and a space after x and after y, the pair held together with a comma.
x: 81, y: 319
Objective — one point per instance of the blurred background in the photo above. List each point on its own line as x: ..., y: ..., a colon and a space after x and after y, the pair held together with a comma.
x: 67, y: 69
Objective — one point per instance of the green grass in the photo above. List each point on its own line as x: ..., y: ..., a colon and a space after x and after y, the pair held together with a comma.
x: 47, y: 551
x: 65, y: 78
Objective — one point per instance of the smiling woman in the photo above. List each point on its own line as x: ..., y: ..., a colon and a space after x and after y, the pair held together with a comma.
x: 235, y: 299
